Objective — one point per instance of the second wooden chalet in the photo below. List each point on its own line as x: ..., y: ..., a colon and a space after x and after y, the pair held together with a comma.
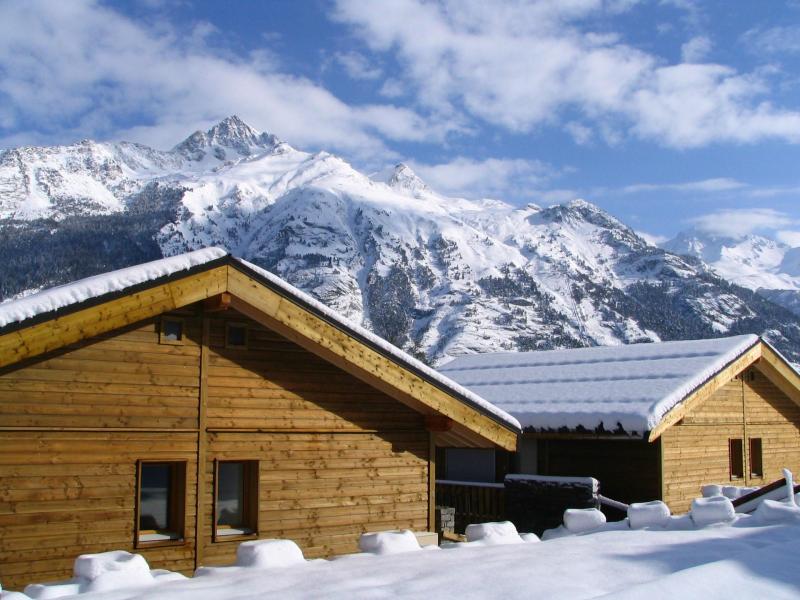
x: 182, y: 406
x: 649, y: 421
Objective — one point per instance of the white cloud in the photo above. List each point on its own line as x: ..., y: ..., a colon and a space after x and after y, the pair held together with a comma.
x: 523, y: 65
x: 488, y: 178
x: 789, y: 237
x: 696, y: 49
x: 579, y: 132
x: 773, y: 40
x: 357, y: 66
x: 737, y: 223
x: 652, y: 238
x: 719, y: 184
x: 85, y: 65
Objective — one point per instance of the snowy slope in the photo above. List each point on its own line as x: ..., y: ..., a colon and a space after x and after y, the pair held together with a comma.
x: 755, y: 262
x: 434, y: 275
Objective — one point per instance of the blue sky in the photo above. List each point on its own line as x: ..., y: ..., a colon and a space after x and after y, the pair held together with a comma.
x: 668, y: 113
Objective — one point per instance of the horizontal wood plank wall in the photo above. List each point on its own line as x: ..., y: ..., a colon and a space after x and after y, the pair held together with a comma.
x: 337, y: 457
x: 275, y: 384
x: 775, y: 418
x: 122, y: 380
x: 696, y: 450
x: 626, y: 469
x: 68, y: 493
x: 323, y: 490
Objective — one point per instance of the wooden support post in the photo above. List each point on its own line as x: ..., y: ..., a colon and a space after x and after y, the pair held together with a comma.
x: 202, y: 441
x: 431, y: 481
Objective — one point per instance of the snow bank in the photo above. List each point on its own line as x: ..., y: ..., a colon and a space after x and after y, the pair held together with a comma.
x: 269, y: 554
x: 731, y: 492
x: 648, y: 514
x: 501, y: 532
x: 580, y: 520
x: 103, y: 572
x: 389, y: 542
x: 717, y: 509
x: 775, y: 511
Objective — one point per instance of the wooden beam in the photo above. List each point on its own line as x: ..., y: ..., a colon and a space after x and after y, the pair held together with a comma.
x: 202, y: 443
x: 217, y: 303
x: 785, y: 378
x: 438, y: 423
x: 705, y: 391
x: 431, y: 481
x: 120, y: 312
x: 337, y: 347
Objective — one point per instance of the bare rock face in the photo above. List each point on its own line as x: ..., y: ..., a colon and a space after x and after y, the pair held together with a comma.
x: 435, y: 275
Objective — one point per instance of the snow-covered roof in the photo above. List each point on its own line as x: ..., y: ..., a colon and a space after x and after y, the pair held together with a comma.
x: 630, y: 386
x: 53, y: 301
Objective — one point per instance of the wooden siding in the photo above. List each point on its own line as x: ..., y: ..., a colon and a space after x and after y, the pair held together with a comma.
x: 67, y: 493
x: 626, y: 469
x: 695, y: 451
x: 336, y: 456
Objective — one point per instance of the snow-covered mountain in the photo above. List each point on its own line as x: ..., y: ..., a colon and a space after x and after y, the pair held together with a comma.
x: 436, y: 275
x: 752, y: 261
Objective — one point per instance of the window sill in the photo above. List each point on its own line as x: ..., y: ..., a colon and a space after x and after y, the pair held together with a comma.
x: 157, y: 539
x: 234, y: 534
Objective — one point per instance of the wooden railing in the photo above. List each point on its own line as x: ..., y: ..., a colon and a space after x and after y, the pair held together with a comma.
x: 475, y: 502
x: 775, y: 491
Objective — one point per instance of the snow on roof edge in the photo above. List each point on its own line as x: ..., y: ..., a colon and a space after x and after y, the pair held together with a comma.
x: 677, y: 396
x: 385, y: 346
x: 62, y: 296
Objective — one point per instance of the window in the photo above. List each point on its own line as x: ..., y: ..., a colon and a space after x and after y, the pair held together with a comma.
x: 171, y: 331
x: 756, y: 460
x: 161, y: 502
x: 235, y: 335
x: 736, y: 458
x: 235, y: 498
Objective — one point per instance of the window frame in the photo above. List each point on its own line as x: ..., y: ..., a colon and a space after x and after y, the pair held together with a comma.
x: 177, y: 507
x: 252, y: 475
x: 739, y: 459
x: 162, y: 338
x: 759, y: 474
x: 231, y: 324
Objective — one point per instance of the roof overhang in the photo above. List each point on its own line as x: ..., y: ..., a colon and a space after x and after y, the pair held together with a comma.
x: 269, y: 304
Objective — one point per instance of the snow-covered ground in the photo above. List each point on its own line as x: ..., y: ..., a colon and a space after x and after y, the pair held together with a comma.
x: 749, y: 557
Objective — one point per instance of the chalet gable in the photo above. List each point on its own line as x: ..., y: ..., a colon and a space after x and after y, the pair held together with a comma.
x: 68, y: 314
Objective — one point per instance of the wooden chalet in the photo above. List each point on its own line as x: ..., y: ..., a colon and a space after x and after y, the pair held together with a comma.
x: 649, y: 421
x: 179, y: 407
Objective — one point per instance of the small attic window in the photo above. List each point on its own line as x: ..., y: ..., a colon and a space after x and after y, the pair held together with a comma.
x: 236, y: 335
x: 171, y: 331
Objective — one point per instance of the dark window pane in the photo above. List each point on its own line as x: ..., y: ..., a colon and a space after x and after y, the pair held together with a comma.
x: 237, y: 335
x: 756, y: 460
x: 155, y: 496
x: 736, y: 447
x: 230, y: 494
x: 173, y: 331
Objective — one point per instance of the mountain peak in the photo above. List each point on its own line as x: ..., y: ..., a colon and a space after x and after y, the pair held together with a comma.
x: 403, y: 177
x: 232, y: 133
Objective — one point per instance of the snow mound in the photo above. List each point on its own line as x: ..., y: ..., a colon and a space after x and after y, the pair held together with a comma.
x: 579, y: 520
x: 389, y: 542
x: 269, y: 554
x: 93, y: 566
x: 103, y: 572
x: 648, y: 514
x: 491, y: 534
x: 529, y: 538
x: 717, y: 509
x: 775, y: 511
